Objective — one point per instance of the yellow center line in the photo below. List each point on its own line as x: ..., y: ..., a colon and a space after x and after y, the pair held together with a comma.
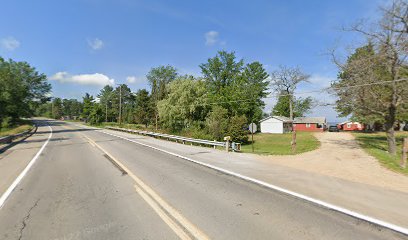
x: 183, y: 228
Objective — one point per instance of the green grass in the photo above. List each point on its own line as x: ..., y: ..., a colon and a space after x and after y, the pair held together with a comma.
x: 375, y: 144
x: 20, y: 127
x: 279, y: 144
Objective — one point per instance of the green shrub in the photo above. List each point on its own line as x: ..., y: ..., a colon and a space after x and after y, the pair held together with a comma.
x: 6, y: 122
x: 237, y: 129
x: 217, y: 122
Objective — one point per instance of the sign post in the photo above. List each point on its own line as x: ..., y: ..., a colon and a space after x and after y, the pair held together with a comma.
x: 227, y: 139
x: 403, y: 163
x: 252, y: 128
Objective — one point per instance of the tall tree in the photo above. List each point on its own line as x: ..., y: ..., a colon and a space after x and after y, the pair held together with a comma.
x: 221, y: 71
x: 285, y: 81
x: 88, y: 102
x: 22, y: 89
x: 143, y: 111
x: 159, y: 78
x: 185, y: 103
x: 252, y: 85
x: 301, y: 106
x: 382, y: 59
x: 237, y: 87
x: 122, y: 97
x: 105, y: 99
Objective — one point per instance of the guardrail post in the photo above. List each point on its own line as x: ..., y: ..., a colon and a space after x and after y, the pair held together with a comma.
x: 227, y: 145
x: 215, y: 147
x: 403, y: 163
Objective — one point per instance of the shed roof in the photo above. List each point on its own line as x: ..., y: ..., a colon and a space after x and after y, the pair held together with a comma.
x: 320, y: 120
x: 280, y: 118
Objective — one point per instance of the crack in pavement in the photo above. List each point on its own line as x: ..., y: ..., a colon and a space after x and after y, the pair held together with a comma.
x: 27, y: 217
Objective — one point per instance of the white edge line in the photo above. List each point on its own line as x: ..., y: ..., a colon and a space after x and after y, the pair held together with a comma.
x: 10, y: 189
x: 280, y: 189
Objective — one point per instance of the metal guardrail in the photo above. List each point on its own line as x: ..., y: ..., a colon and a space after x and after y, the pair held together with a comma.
x: 10, y: 138
x: 234, y: 146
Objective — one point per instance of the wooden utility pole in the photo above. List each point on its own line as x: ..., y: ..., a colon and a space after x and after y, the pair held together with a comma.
x: 120, y: 104
x: 293, y: 141
x: 403, y: 163
x: 106, y: 112
x: 252, y: 140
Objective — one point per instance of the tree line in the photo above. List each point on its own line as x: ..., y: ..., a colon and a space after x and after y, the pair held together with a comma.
x: 204, y: 107
x: 22, y: 90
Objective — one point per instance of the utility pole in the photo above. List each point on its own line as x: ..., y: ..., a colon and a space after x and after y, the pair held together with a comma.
x: 106, y: 112
x: 120, y: 104
x: 52, y: 108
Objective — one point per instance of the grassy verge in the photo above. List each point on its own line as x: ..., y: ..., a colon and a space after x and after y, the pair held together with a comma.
x: 19, y: 127
x: 375, y: 144
x: 279, y: 144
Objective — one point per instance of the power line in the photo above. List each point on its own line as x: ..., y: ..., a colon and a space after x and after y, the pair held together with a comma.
x: 308, y: 92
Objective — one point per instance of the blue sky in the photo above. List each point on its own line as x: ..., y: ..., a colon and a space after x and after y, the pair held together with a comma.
x: 83, y: 44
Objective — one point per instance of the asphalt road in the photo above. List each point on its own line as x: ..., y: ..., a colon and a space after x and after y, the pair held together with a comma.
x: 90, y: 185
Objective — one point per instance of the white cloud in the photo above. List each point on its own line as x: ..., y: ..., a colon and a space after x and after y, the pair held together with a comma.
x: 135, y: 80
x: 211, y: 38
x: 9, y: 43
x: 83, y: 79
x: 96, y: 43
x: 131, y: 79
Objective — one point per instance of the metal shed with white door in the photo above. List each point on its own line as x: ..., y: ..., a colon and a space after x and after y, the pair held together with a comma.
x: 275, y: 124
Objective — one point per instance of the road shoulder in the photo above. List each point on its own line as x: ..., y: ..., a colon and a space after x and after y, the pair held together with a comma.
x: 374, y: 201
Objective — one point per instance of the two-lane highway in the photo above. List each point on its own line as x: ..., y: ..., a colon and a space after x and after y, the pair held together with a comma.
x: 90, y: 185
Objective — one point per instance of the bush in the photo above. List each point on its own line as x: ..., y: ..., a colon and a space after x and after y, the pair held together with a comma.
x: 217, y: 122
x: 6, y: 122
x: 237, y: 129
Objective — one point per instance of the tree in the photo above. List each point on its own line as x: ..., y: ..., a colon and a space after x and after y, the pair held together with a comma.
x: 57, y: 108
x: 143, y: 111
x: 237, y: 87
x: 221, y: 71
x: 285, y: 81
x: 105, y: 99
x: 87, y: 106
x: 22, y: 89
x: 301, y: 106
x: 217, y: 122
x: 159, y: 78
x: 184, y: 104
x: 96, y: 114
x: 252, y: 85
x: 382, y: 59
x: 122, y: 99
x: 71, y: 107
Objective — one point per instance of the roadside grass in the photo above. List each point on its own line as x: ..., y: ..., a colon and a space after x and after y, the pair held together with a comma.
x: 19, y: 127
x: 279, y: 144
x: 375, y: 144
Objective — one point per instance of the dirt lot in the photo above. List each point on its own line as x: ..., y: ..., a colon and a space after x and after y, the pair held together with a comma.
x: 340, y: 156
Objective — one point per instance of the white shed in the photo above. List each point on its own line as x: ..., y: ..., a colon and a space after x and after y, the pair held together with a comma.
x: 275, y: 124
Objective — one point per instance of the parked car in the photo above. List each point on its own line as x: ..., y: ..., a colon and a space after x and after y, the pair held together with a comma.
x: 333, y: 129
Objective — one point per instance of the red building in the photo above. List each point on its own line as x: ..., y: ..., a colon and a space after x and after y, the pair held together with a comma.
x: 310, y: 124
x: 350, y: 126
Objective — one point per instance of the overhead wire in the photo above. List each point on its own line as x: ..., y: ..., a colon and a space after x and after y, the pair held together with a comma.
x: 308, y: 92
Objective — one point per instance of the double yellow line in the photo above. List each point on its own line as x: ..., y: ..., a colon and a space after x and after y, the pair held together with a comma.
x: 177, y: 222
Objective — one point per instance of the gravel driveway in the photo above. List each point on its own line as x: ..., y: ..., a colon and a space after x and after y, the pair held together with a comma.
x: 340, y: 156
